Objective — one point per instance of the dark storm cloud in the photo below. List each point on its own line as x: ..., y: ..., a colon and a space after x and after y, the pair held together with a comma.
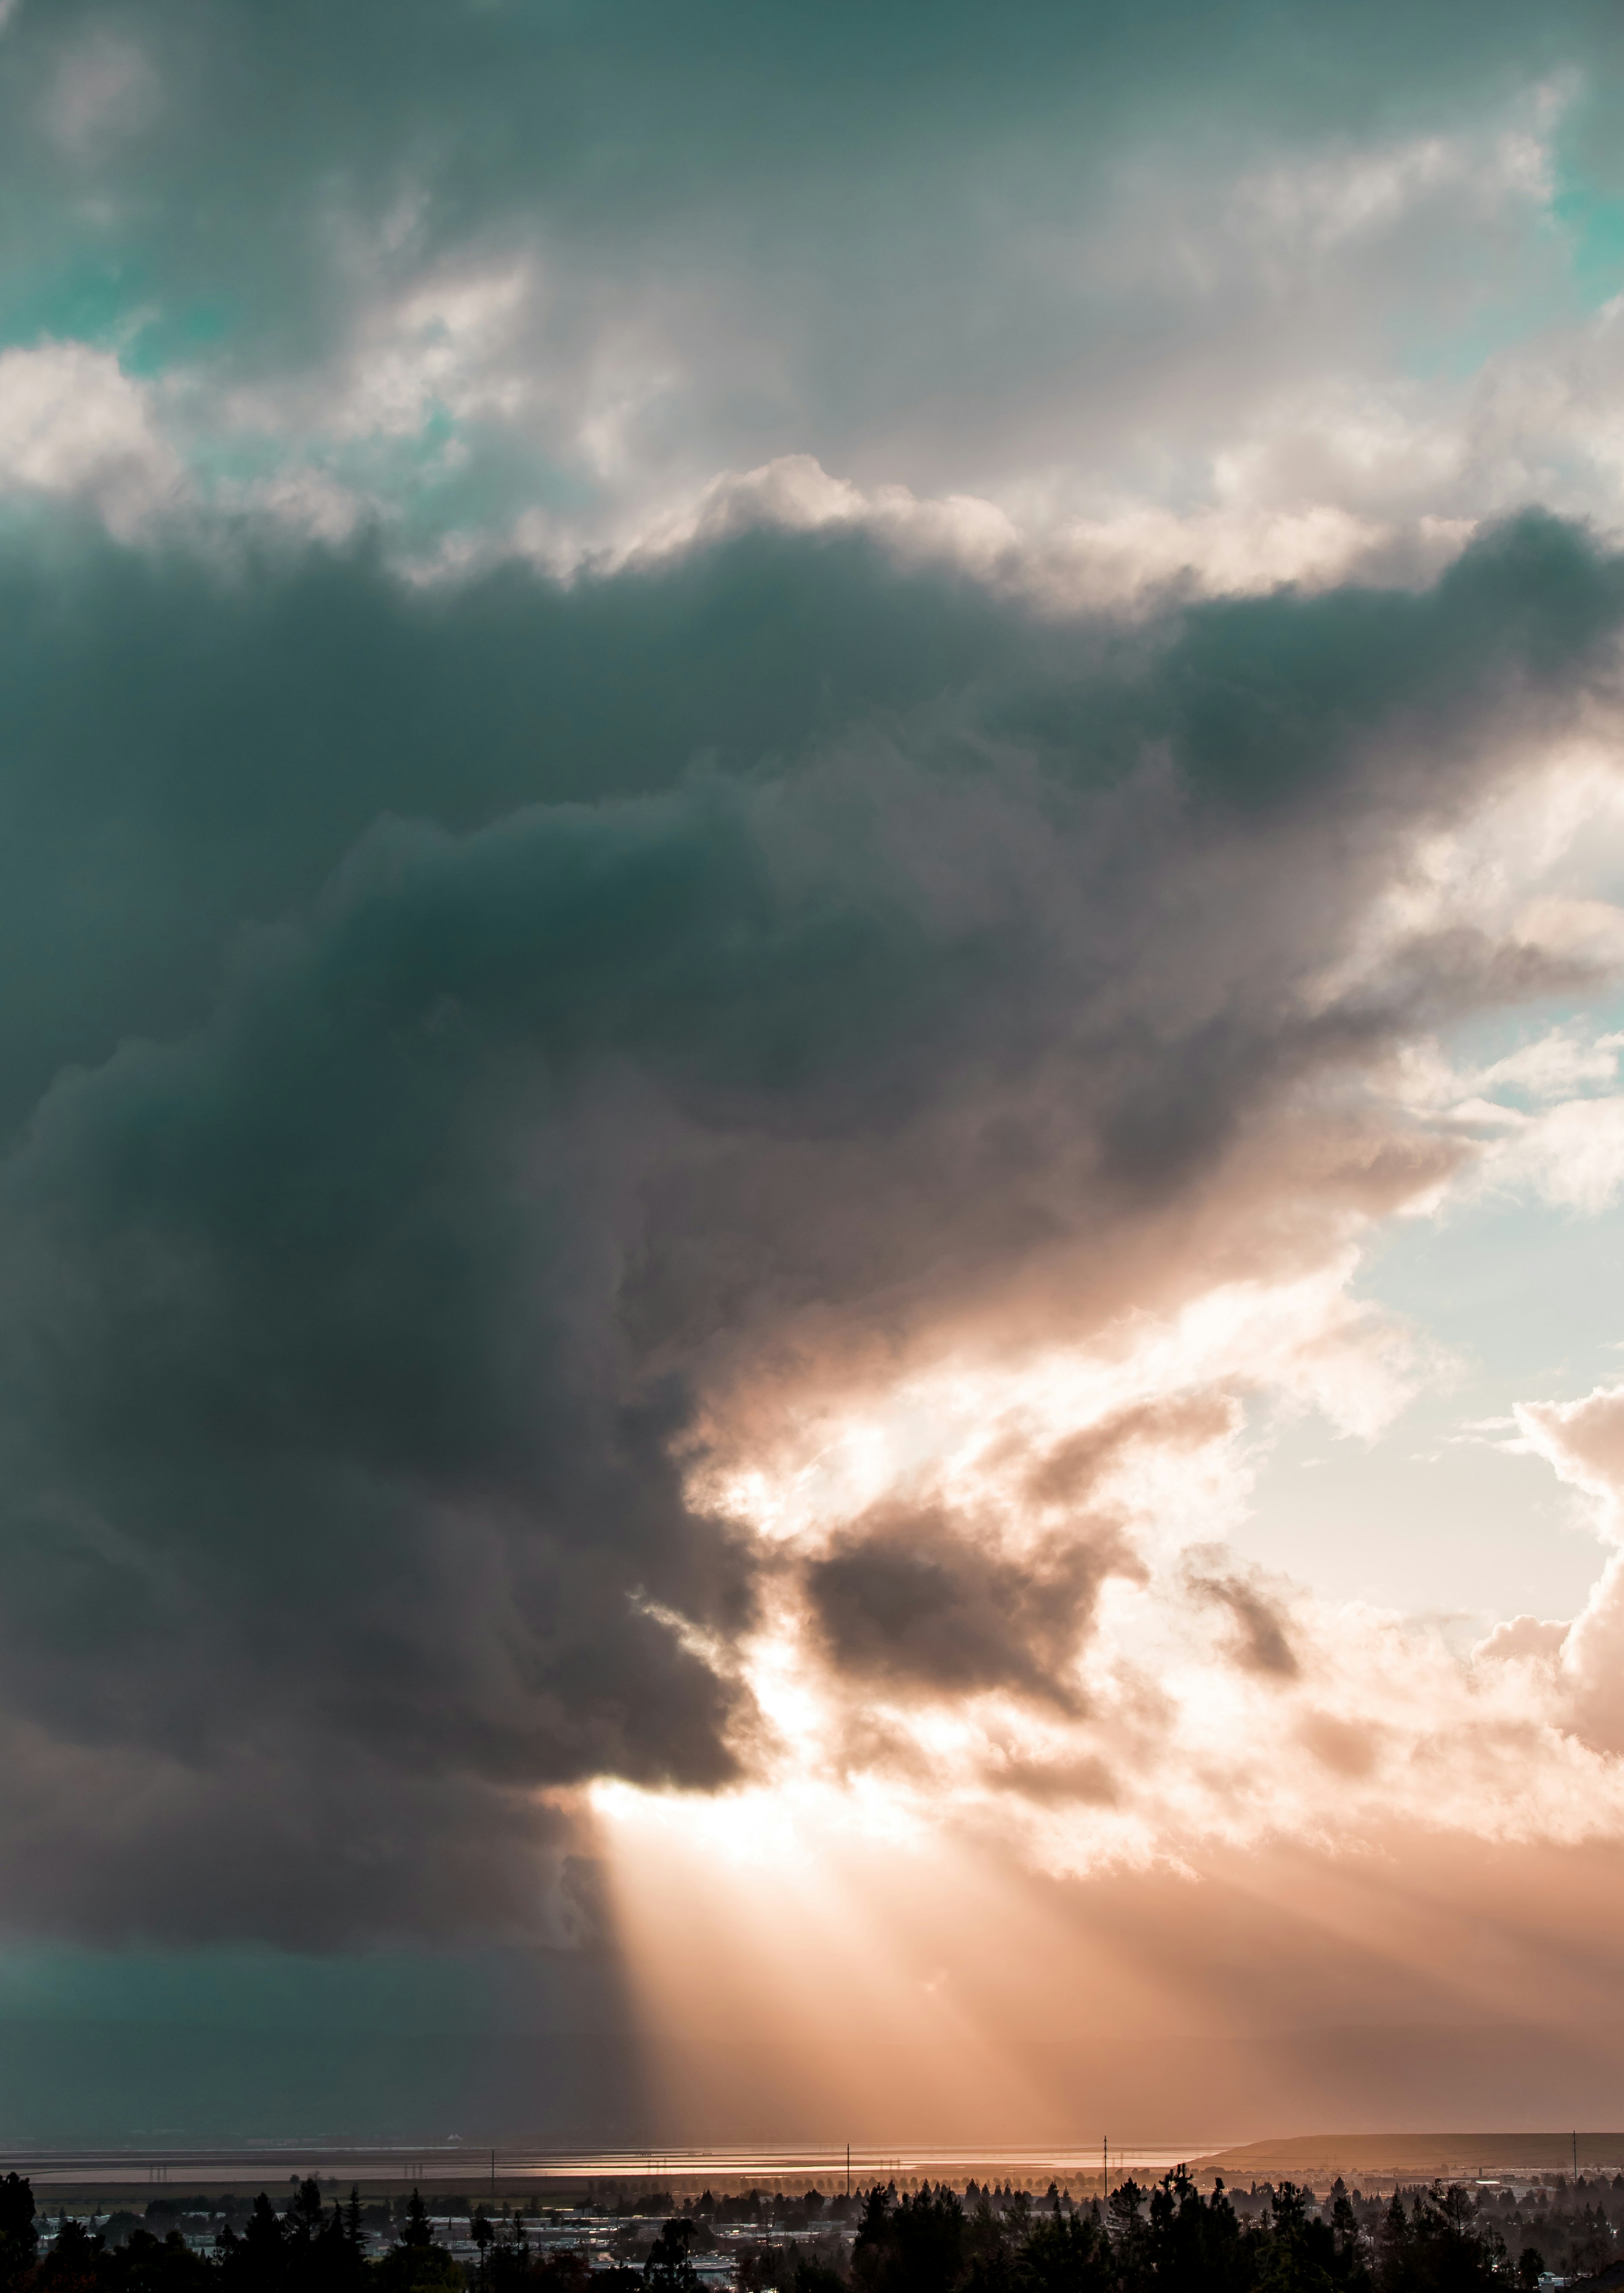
x: 784, y: 956
x: 307, y: 1841
x: 917, y: 1603
x: 924, y: 1602
x: 183, y: 750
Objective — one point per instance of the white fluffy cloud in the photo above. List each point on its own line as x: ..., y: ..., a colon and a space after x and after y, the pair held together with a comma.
x: 74, y: 426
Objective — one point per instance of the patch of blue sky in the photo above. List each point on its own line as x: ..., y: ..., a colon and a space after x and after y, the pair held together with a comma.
x: 158, y: 340
x: 1578, y: 242
x: 111, y: 304
x: 1587, y: 198
x: 1594, y: 223
x: 1522, y: 1300
x: 1516, y: 1299
x: 1455, y: 337
x: 448, y: 479
x: 98, y: 301
x: 1493, y: 1035
x: 1460, y: 353
x: 1525, y: 1294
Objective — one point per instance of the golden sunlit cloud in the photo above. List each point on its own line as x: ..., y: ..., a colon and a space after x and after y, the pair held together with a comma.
x: 1009, y: 1670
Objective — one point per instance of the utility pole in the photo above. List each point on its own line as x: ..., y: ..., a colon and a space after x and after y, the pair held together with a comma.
x: 849, y: 2170
x: 1105, y: 2165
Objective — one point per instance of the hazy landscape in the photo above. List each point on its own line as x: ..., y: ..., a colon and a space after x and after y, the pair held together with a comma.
x: 553, y: 2227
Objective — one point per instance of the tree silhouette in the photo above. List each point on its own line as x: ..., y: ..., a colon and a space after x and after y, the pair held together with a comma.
x: 669, y: 2268
x: 19, y: 2238
x: 303, y: 2218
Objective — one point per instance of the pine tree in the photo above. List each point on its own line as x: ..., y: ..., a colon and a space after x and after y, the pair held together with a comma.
x: 19, y: 2238
x: 304, y: 2215
x: 669, y: 2268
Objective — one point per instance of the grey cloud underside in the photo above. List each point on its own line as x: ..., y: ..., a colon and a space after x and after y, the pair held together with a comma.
x: 912, y: 1601
x: 461, y: 1037
x: 256, y: 122
x: 927, y: 1601
x: 307, y: 1841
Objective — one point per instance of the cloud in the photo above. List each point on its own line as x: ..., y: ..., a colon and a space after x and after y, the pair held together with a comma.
x: 1584, y: 1442
x: 563, y: 328
x: 307, y: 1841
x: 1573, y: 1154
x: 1523, y: 1639
x: 404, y: 1252
x: 105, y: 89
x: 914, y: 1602
x: 1262, y: 1642
x: 74, y: 427
x: 766, y: 775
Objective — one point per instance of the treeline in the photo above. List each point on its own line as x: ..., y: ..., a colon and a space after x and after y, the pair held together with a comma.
x: 1172, y: 2238
x: 1175, y: 2238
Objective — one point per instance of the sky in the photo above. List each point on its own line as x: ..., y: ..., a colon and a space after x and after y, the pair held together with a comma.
x: 811, y: 1145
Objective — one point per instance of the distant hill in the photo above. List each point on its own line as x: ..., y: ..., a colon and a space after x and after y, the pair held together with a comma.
x: 1310, y: 2157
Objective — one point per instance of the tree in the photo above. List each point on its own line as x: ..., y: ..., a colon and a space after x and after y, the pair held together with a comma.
x: 71, y: 2265
x: 873, y: 2229
x: 1128, y: 2233
x: 145, y: 2265
x: 1194, y: 2244
x: 669, y: 2268
x: 303, y: 2218
x: 1345, y: 2231
x: 334, y: 2253
x: 256, y: 2262
x: 1122, y: 2209
x: 925, y: 2249
x: 1069, y: 2254
x: 504, y: 2261
x: 417, y: 2265
x: 816, y: 2277
x: 19, y: 2238
x: 1394, y: 2269
x: 565, y: 2271
x: 1297, y: 2255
